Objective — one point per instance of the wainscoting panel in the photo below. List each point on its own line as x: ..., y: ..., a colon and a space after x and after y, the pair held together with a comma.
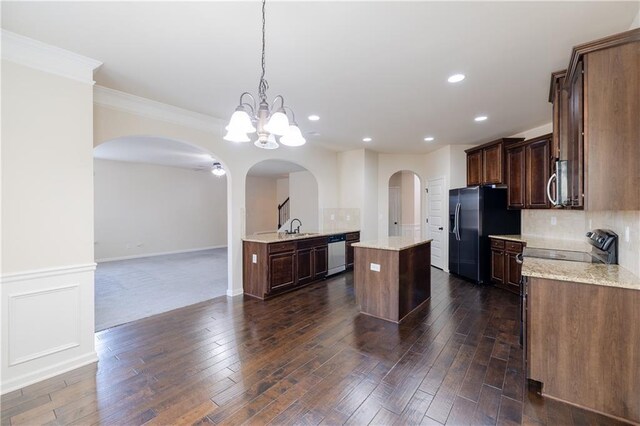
x: 47, y: 324
x: 57, y: 308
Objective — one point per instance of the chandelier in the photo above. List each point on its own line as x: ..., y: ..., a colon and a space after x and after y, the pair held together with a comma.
x: 266, y: 120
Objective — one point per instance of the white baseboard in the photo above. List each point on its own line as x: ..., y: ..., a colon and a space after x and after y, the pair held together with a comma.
x: 236, y: 292
x: 47, y: 372
x: 138, y: 256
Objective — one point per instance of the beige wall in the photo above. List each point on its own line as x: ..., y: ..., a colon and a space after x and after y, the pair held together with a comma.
x: 303, y: 196
x: 47, y: 164
x: 47, y: 265
x: 144, y: 209
x: 262, y: 204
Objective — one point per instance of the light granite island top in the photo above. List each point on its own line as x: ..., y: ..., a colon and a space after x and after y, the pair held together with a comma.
x: 392, y: 243
x: 578, y: 272
x: 278, y: 237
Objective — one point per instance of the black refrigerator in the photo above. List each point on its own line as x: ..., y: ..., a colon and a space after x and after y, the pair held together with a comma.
x: 474, y: 214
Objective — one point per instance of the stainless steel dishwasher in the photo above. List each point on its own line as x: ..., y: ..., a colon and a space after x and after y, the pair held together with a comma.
x: 337, y: 253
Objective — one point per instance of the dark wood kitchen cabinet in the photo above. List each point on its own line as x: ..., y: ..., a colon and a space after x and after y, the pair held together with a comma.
x: 528, y: 171
x: 486, y: 163
x: 351, y: 237
x: 596, y: 107
x: 505, y: 270
x: 273, y: 268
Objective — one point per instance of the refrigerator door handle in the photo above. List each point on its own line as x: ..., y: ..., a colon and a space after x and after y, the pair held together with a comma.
x: 457, y: 229
x: 549, y: 182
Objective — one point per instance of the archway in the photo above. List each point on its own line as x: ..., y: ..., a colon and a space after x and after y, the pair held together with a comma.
x: 278, y: 191
x: 405, y: 204
x: 160, y: 228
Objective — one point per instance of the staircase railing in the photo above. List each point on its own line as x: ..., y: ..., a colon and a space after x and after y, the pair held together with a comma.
x: 283, y: 212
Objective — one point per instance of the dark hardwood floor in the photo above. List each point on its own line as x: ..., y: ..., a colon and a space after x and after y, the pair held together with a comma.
x: 307, y: 357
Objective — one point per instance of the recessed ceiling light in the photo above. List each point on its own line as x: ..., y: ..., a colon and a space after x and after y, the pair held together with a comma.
x: 366, y: 139
x: 429, y: 138
x: 314, y: 117
x: 481, y: 118
x: 456, y: 78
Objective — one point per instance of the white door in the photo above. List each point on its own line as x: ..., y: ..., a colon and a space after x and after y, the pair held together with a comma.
x: 436, y: 215
x: 395, y: 211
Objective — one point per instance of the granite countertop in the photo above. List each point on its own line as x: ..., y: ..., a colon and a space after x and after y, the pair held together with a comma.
x: 562, y: 270
x: 580, y: 272
x: 392, y: 243
x: 275, y: 237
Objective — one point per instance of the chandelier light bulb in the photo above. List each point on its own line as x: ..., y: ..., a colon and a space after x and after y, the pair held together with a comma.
x: 240, y: 122
x: 268, y: 143
x: 293, y: 137
x: 278, y: 124
x: 236, y: 137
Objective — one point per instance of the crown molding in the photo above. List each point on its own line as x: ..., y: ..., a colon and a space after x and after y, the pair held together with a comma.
x: 127, y: 102
x: 45, y: 57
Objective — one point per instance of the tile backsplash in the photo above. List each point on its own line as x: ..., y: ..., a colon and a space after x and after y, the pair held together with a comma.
x: 337, y: 219
x: 572, y: 225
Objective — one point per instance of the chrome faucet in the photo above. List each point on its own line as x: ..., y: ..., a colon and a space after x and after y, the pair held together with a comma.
x: 297, y: 231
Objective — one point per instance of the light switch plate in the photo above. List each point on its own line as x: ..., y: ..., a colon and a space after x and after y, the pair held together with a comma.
x: 254, y: 258
x: 554, y: 220
x: 375, y: 267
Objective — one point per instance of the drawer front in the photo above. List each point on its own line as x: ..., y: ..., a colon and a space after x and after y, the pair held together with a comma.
x: 499, y: 244
x: 280, y: 247
x: 353, y: 236
x: 513, y: 247
x: 311, y: 242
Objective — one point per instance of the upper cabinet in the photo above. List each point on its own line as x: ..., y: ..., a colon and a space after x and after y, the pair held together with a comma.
x: 596, y: 124
x: 486, y: 163
x: 528, y: 172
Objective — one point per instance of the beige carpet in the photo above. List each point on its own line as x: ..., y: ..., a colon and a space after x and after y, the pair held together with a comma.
x: 127, y: 290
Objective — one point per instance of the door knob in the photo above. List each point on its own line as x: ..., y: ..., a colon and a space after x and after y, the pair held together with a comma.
x: 395, y: 223
x: 441, y: 228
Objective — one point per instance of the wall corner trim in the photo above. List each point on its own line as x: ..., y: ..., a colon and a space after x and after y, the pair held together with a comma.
x: 45, y: 57
x: 149, y: 108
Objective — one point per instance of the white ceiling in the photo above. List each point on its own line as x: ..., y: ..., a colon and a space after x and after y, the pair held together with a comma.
x: 375, y: 69
x: 274, y: 168
x: 153, y: 150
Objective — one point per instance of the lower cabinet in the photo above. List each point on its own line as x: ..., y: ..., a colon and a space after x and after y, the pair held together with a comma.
x: 272, y: 268
x: 505, y: 270
x: 352, y: 237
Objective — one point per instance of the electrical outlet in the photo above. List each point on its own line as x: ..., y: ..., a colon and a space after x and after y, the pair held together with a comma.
x: 333, y: 217
x: 348, y: 217
x: 554, y: 220
x: 254, y: 258
x: 627, y: 234
x: 375, y: 267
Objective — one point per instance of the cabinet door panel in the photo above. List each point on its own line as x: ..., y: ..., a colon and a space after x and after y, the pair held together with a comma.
x: 492, y: 165
x: 320, y: 261
x: 305, y: 266
x: 538, y: 173
x: 516, y: 178
x: 282, y: 273
x: 497, y: 266
x: 474, y: 168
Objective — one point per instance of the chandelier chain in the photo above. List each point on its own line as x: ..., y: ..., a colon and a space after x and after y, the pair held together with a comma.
x: 263, y: 86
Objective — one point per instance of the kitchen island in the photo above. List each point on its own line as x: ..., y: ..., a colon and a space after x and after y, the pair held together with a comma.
x: 392, y: 276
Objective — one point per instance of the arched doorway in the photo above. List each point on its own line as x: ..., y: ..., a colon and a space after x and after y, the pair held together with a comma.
x: 278, y: 191
x: 405, y: 204
x: 160, y: 231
